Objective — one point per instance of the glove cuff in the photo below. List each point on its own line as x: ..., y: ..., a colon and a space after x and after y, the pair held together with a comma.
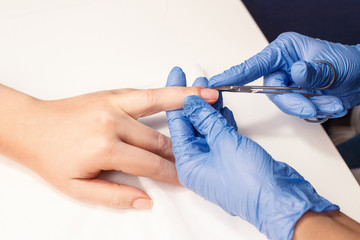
x: 292, y: 196
x: 283, y: 224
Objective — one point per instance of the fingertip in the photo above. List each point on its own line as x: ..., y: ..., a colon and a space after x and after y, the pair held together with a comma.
x: 177, y: 69
x: 123, y: 196
x: 176, y: 77
x: 328, y: 104
x: 201, y: 82
x: 338, y: 107
x: 209, y: 95
x: 339, y: 114
x: 219, y: 102
x: 213, y: 81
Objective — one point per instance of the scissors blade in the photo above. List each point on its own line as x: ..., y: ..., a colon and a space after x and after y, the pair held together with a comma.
x: 267, y: 90
x: 245, y: 89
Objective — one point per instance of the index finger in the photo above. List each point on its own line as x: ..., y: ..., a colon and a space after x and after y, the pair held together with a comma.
x: 146, y: 102
x: 279, y: 54
x: 255, y: 67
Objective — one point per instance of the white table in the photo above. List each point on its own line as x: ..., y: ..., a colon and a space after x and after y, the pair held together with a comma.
x: 61, y: 48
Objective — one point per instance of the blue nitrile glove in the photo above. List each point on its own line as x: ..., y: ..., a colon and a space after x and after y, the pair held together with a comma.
x: 177, y: 78
x: 289, y: 61
x: 235, y: 173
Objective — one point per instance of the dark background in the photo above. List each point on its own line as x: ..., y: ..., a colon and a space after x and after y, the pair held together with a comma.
x: 335, y: 21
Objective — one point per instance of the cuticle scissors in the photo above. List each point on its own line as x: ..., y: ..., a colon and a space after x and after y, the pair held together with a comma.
x: 282, y: 90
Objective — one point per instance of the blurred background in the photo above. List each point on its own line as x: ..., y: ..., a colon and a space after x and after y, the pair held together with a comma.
x: 331, y: 20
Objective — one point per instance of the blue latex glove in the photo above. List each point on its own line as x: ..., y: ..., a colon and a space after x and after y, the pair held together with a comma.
x: 234, y: 172
x: 289, y: 61
x: 177, y: 78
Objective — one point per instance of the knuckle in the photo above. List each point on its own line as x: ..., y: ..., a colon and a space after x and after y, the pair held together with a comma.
x: 105, y: 145
x: 105, y: 118
x: 163, y: 142
x: 152, y: 95
x: 157, y: 166
x: 114, y: 92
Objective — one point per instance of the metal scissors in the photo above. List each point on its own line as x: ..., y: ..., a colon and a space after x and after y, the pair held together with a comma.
x: 282, y: 90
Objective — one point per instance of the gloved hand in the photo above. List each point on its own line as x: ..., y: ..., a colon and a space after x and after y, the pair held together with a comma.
x: 235, y: 173
x: 177, y: 78
x: 289, y: 61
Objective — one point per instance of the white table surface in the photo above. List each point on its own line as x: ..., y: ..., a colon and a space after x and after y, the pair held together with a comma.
x: 56, y: 49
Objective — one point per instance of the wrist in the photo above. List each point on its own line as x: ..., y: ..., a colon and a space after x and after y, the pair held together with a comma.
x: 326, y: 225
x: 17, y: 111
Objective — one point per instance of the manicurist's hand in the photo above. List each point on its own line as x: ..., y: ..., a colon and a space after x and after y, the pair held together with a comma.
x: 234, y: 172
x: 290, y: 60
x: 69, y: 142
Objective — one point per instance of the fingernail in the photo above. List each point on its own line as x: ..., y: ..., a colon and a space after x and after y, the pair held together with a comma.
x: 209, y: 94
x: 142, y: 203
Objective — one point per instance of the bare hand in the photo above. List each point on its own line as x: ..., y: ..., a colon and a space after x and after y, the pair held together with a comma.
x: 69, y: 142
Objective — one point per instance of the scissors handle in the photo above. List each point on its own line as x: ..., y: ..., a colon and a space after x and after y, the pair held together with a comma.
x: 279, y: 89
x: 318, y: 120
x: 284, y: 90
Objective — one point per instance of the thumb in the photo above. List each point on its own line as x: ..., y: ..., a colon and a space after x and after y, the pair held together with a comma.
x: 207, y: 120
x: 311, y: 74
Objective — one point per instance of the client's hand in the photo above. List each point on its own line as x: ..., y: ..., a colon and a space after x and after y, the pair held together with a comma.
x: 69, y: 142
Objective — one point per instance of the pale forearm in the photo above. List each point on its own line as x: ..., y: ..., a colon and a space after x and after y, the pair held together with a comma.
x: 327, y: 225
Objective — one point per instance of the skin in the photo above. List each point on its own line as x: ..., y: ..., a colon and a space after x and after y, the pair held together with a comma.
x: 87, y: 134
x: 329, y: 225
x: 70, y: 141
